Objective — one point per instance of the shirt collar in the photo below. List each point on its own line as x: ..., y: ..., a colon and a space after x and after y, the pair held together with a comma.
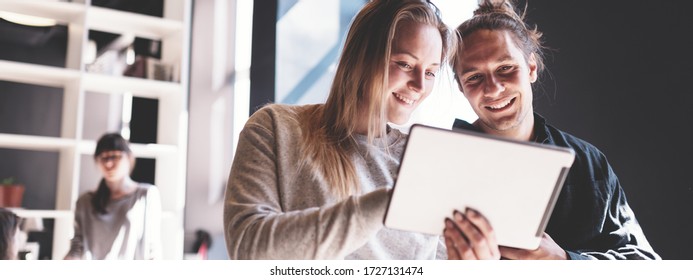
x: 541, y: 131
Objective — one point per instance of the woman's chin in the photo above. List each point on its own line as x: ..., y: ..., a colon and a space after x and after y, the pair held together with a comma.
x: 397, y: 123
x: 399, y: 119
x: 112, y: 177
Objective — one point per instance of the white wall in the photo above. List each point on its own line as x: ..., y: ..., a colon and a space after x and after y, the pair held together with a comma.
x: 210, y: 129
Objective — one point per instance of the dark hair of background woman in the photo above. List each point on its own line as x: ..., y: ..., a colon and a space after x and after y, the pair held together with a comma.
x: 107, y: 142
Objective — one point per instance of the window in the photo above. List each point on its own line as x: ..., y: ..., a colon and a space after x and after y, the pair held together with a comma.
x: 308, y: 41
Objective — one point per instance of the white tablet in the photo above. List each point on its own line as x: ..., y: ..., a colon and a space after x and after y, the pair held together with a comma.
x: 513, y: 184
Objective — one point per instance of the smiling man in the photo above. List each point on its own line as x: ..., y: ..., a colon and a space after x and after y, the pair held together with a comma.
x: 497, y: 62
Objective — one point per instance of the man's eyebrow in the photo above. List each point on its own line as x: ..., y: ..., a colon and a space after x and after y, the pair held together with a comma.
x: 472, y: 69
x: 505, y: 58
x: 502, y: 59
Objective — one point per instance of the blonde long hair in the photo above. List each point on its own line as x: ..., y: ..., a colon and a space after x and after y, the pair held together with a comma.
x: 359, y: 88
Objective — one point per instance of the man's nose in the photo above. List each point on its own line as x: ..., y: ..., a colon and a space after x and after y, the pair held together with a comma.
x: 493, y: 85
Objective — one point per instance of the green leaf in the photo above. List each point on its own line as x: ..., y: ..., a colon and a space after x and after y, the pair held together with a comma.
x: 7, y: 181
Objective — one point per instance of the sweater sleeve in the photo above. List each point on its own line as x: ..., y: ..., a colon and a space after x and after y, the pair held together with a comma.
x: 77, y: 242
x: 256, y: 226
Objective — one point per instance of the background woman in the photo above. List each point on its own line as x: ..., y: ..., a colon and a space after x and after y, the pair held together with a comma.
x: 122, y: 218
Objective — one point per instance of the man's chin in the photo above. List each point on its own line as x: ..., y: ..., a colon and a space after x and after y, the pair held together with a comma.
x: 500, y: 125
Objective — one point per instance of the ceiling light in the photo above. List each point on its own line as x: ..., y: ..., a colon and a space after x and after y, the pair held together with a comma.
x: 27, y: 20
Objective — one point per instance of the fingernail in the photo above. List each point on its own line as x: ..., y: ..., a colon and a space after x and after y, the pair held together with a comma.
x: 470, y: 211
x: 448, y: 223
x: 459, y: 217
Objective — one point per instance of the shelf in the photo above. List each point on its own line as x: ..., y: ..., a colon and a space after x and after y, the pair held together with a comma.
x: 78, y: 104
x: 60, y: 11
x: 113, y: 21
x: 59, y: 77
x: 34, y: 143
x: 152, y: 150
x: 62, y: 214
x: 36, y: 74
x: 87, y: 147
x: 54, y: 214
x: 136, y: 86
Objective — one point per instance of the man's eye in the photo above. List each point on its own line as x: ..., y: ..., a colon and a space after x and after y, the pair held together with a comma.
x: 473, y: 78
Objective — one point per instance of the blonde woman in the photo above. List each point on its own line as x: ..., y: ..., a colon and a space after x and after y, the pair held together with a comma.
x: 311, y: 182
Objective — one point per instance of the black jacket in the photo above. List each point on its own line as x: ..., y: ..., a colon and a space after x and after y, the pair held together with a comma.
x: 591, y: 219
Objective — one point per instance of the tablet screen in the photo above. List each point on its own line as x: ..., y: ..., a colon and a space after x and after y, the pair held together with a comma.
x: 513, y: 184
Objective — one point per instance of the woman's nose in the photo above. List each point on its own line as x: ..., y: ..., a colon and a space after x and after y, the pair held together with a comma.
x: 417, y: 81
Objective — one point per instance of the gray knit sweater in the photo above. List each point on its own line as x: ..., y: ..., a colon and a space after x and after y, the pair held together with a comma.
x: 130, y: 230
x: 275, y: 209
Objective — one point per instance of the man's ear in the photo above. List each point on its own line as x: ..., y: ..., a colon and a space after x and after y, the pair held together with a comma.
x: 532, y: 63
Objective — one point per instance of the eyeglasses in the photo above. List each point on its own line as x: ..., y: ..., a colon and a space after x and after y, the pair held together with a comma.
x: 103, y: 159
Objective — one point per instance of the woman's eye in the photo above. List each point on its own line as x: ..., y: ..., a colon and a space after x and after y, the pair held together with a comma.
x: 431, y: 74
x: 404, y: 65
x: 505, y: 68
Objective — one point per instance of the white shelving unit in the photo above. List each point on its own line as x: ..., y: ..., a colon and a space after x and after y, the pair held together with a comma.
x: 170, y: 150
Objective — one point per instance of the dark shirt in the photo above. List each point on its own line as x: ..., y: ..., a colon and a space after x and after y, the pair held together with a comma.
x: 591, y: 219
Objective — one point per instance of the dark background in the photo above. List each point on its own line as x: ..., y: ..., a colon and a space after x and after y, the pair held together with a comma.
x: 619, y: 77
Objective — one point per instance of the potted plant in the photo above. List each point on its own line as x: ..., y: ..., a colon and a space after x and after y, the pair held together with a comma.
x: 11, y: 193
